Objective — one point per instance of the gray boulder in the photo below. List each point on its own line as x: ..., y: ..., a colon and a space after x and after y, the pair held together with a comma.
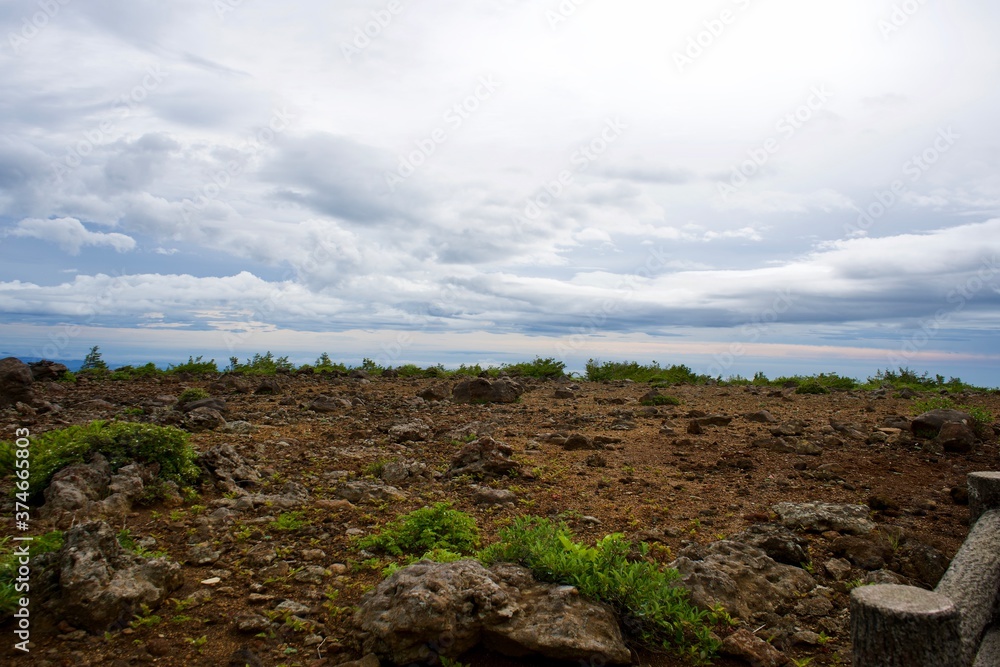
x: 406, y: 617
x: 15, y: 382
x: 101, y: 586
x: 743, y: 579
x: 957, y: 437
x: 47, y: 371
x: 83, y: 491
x: 229, y: 469
x: 203, y: 419
x: 820, y: 517
x: 415, y: 431
x: 776, y: 541
x: 483, y: 458
x: 554, y: 622
x: 217, y: 404
x: 399, y: 471
x: 866, y: 554
x: 327, y: 404
x: 437, y: 392
x: 73, y: 487
x: 365, y: 491
x: 481, y: 390
x: 920, y: 562
x: 753, y: 650
x: 928, y: 424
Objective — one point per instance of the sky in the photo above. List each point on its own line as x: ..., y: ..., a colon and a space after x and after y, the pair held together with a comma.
x: 740, y: 185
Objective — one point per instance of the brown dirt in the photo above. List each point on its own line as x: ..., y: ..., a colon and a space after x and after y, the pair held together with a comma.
x: 685, y: 487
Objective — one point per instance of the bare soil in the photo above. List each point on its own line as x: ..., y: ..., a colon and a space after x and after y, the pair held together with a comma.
x: 672, y: 488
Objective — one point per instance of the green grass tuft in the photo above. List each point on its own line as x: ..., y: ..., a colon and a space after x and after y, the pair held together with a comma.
x: 425, y: 530
x: 120, y: 442
x: 652, y: 608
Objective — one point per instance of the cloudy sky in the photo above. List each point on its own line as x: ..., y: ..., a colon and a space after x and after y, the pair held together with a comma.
x: 739, y: 185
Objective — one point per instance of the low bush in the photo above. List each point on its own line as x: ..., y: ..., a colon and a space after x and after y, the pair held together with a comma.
x: 539, y: 368
x: 652, y: 609
x: 194, y: 366
x: 426, y: 530
x: 261, y: 364
x: 811, y: 387
x: 120, y: 442
x: 598, y: 371
x: 192, y: 394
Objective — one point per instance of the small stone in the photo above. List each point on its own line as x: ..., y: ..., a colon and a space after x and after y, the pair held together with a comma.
x: 311, y: 575
x: 747, y: 646
x: 805, y: 638
x: 837, y: 569
x: 212, y: 581
x: 159, y: 647
x: 252, y: 623
x: 814, y: 606
x: 202, y: 554
x: 293, y: 607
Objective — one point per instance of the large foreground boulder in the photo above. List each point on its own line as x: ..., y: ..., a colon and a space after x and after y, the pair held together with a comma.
x: 431, y: 609
x: 743, y: 579
x: 87, y: 490
x: 101, y: 586
x: 15, y: 382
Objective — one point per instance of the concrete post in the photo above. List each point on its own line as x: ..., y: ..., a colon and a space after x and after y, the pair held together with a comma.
x: 984, y: 494
x: 973, y: 580
x: 903, y: 626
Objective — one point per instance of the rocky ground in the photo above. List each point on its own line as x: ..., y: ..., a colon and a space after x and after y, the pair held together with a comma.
x: 726, y: 484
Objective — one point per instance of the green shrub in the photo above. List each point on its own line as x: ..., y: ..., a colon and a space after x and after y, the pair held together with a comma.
x: 289, y: 521
x: 426, y: 530
x: 907, y: 378
x: 539, y: 368
x: 811, y: 387
x: 133, y: 373
x: 655, y: 611
x: 192, y: 394
x: 195, y: 366
x: 9, y: 595
x: 261, y: 364
x: 932, y: 403
x: 982, y: 421
x: 609, y: 371
x: 120, y: 442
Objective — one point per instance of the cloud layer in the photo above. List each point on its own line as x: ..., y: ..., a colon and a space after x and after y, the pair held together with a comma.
x: 629, y: 169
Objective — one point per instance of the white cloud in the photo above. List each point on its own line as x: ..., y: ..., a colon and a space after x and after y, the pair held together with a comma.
x: 70, y: 234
